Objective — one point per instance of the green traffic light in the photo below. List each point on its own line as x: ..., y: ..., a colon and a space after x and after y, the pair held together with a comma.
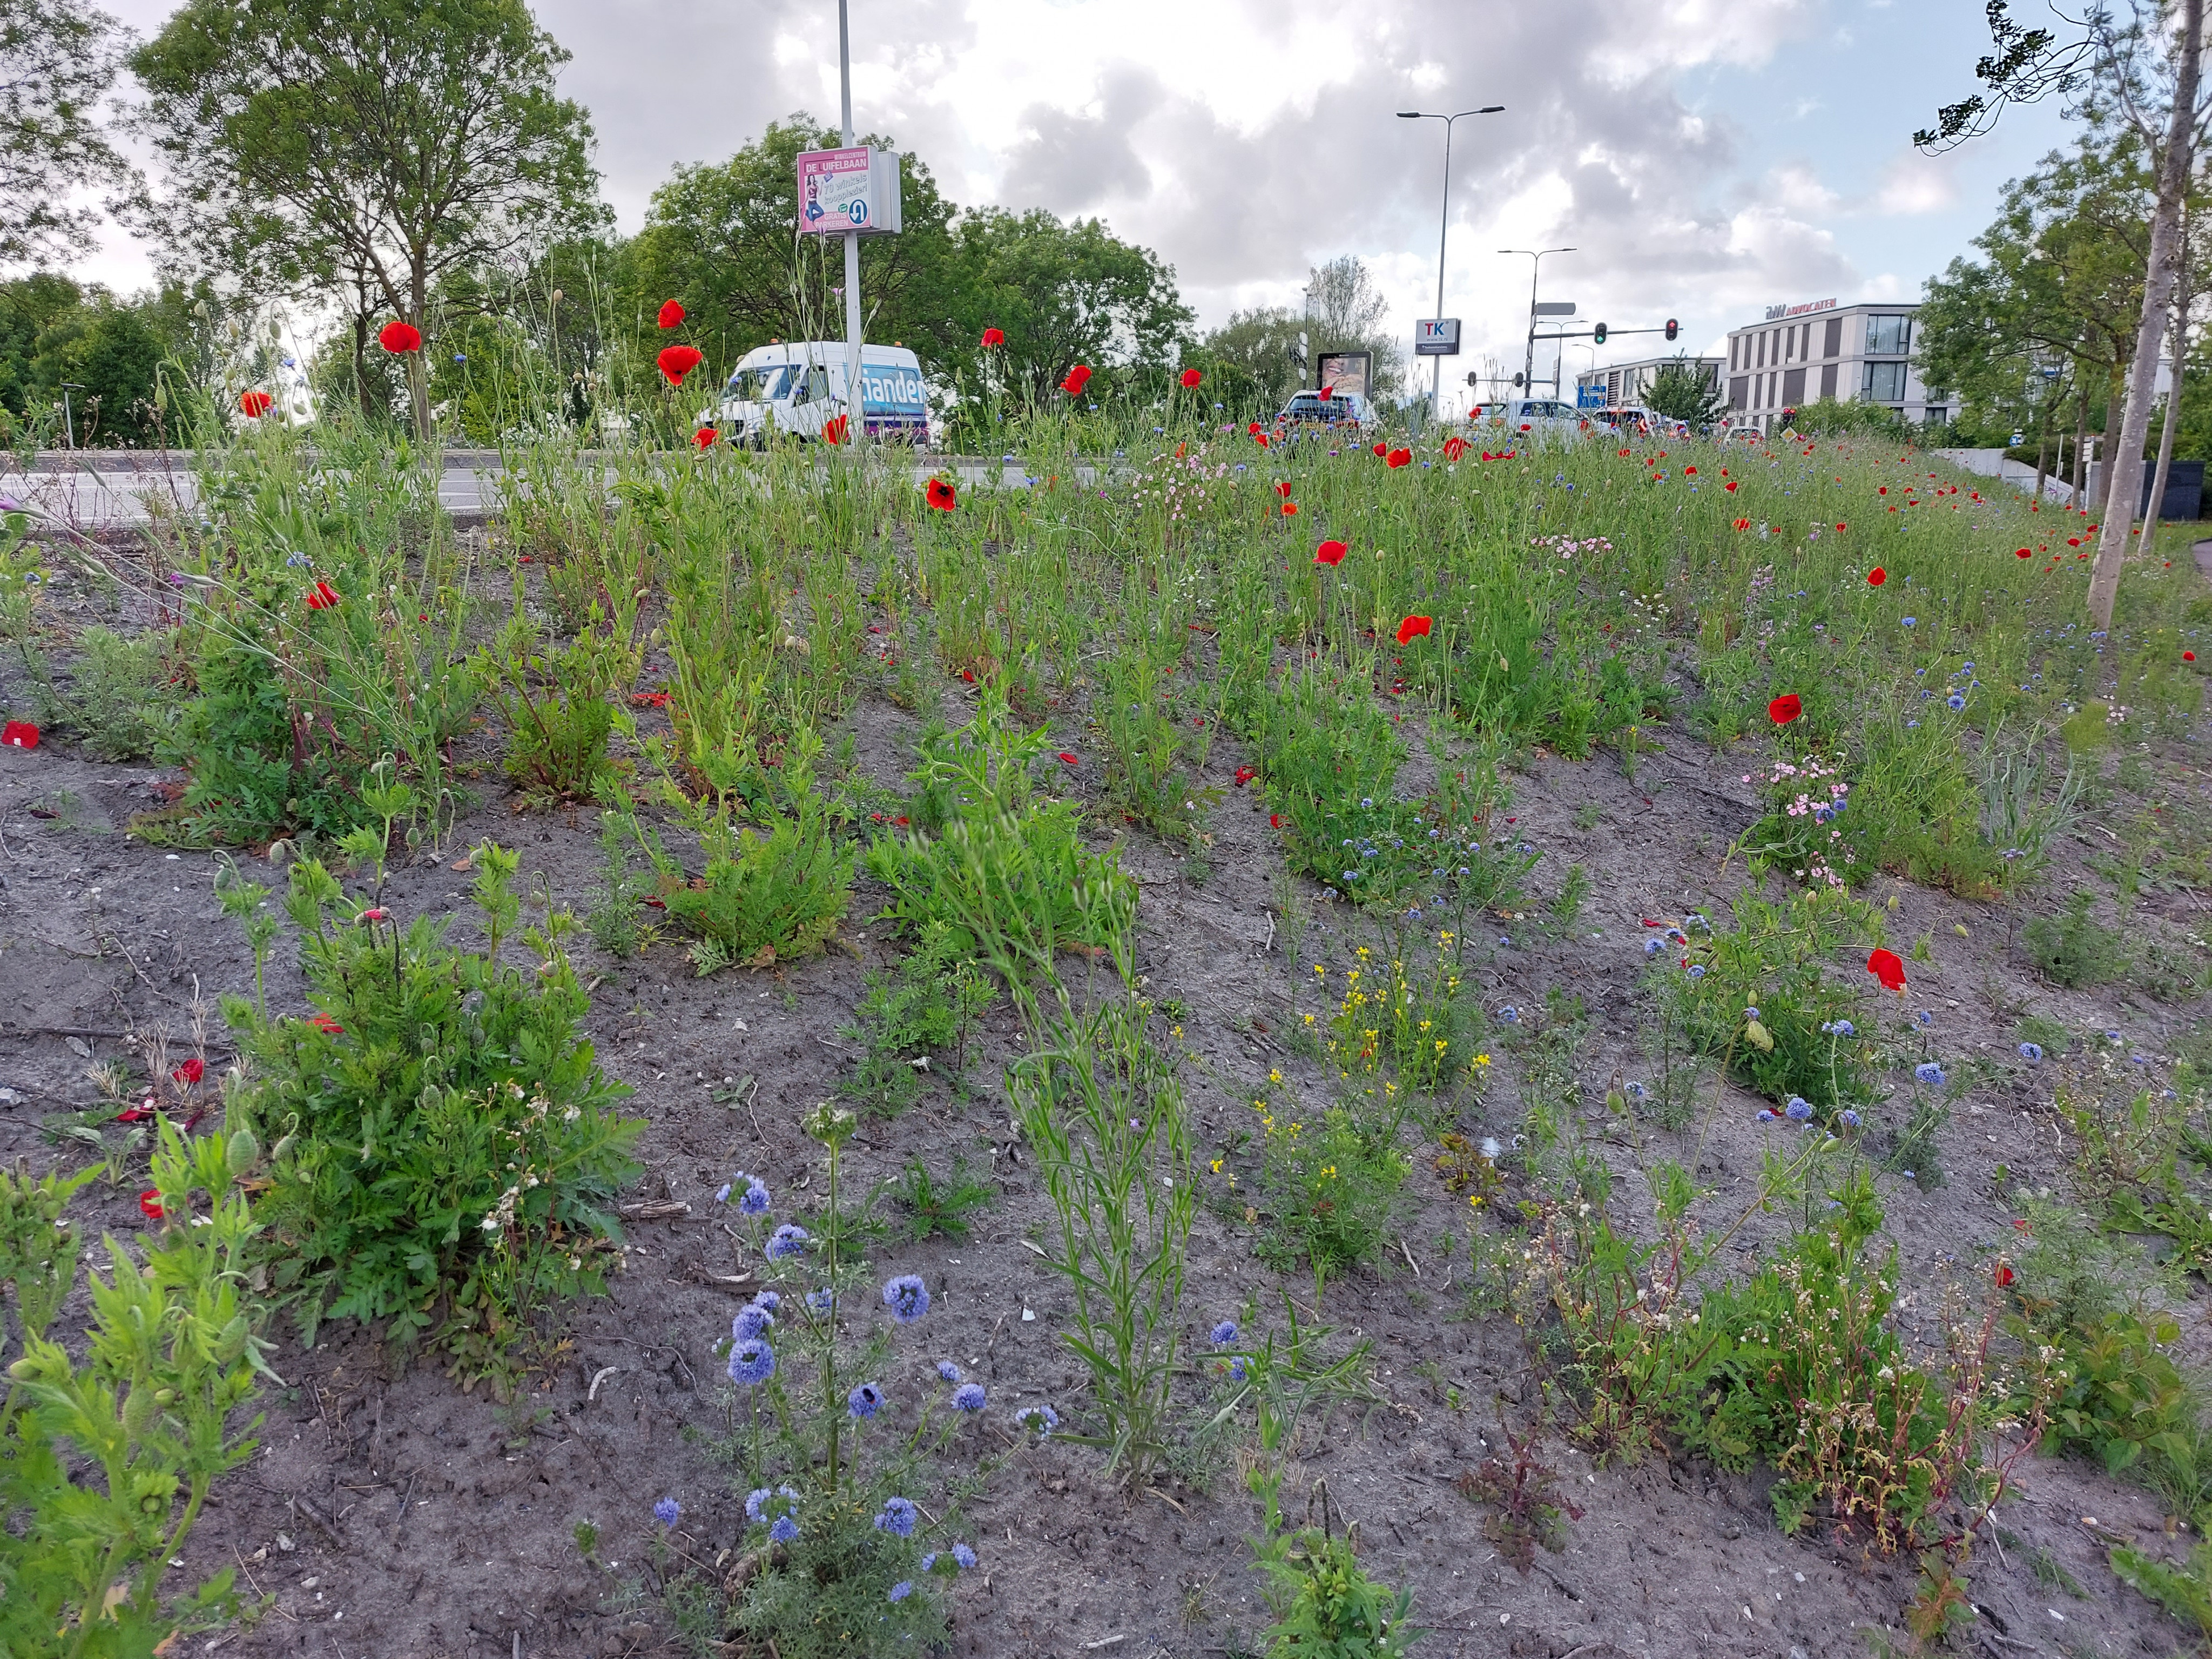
x: 1599, y: 335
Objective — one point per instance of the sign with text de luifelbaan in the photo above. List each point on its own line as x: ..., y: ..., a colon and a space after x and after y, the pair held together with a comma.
x: 848, y: 189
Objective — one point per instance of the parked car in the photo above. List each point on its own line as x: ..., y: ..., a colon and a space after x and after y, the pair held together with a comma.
x: 1529, y: 415
x: 798, y: 388
x: 1348, y: 409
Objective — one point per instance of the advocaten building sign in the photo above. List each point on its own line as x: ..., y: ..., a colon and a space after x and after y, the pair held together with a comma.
x: 1775, y: 313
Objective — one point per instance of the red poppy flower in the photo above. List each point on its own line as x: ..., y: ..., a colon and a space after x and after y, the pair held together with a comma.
x: 704, y: 437
x: 322, y: 597
x: 677, y: 361
x: 672, y: 313
x: 373, y: 914
x: 1283, y: 487
x: 1191, y: 377
x: 941, y: 495
x: 1069, y: 758
x: 1886, y: 966
x: 1381, y: 449
x: 1290, y: 509
x: 1730, y: 486
x: 1624, y: 454
x: 1245, y: 774
x: 1839, y: 529
x: 398, y: 338
x: 2023, y: 554
x: 1884, y: 490
x: 1412, y: 628
x: 149, y: 1202
x: 1784, y: 709
x: 1274, y: 820
x: 2004, y: 1275
x: 1261, y: 438
x: 1877, y: 576
x: 254, y: 403
x: 1525, y: 426
x: 19, y: 734
x: 2073, y: 541
x: 1453, y: 448
x: 2186, y: 656
x: 191, y: 1071
x: 135, y: 1114
x: 1743, y: 524
x: 326, y: 1025
x: 649, y: 699
x: 1077, y: 378
x: 833, y: 429
x: 1689, y: 472
x: 1328, y: 553
x: 994, y: 337
x: 1398, y: 457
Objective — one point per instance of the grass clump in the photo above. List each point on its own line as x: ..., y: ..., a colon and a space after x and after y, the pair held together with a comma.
x: 2073, y: 949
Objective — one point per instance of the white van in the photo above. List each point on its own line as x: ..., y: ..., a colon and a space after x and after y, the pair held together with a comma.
x: 798, y: 387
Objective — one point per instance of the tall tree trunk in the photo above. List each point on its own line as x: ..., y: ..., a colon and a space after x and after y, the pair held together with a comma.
x: 2172, y: 416
x: 2108, y: 441
x: 2077, y: 475
x: 2174, y: 172
x: 2042, y: 450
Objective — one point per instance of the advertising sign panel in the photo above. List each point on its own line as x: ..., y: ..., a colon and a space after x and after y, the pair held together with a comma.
x: 848, y: 189
x: 1437, y: 336
x: 1346, y: 373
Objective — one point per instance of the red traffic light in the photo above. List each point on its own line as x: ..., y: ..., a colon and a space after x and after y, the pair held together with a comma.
x: 1672, y: 328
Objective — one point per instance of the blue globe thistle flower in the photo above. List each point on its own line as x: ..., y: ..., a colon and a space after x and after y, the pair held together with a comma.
x: 755, y: 1201
x: 1637, y: 1091
x: 789, y: 1239
x: 1224, y: 1334
x: 2112, y: 1037
x: 1798, y: 1109
x: 929, y: 1561
x: 2032, y: 1052
x: 948, y: 1370
x: 1652, y: 947
x: 898, y: 1518
x: 964, y: 1556
x: 1768, y: 1115
x: 1697, y: 971
x: 1043, y: 1419
x: 768, y: 1299
x: 968, y: 1397
x: 1237, y: 1368
x: 667, y: 1510
x: 864, y: 1401
x: 1510, y: 1014
x: 907, y: 1297
x: 821, y: 1304
x: 901, y: 1591
x: 1851, y: 1118
x: 1751, y: 1013
x: 751, y: 1361
x: 752, y: 1321
x: 723, y: 1196
x: 1929, y: 1073
x: 782, y: 1530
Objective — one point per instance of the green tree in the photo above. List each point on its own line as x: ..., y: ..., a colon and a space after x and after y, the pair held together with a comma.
x: 1684, y: 391
x: 363, y: 149
x: 110, y: 352
x: 57, y: 61
x: 1258, y: 357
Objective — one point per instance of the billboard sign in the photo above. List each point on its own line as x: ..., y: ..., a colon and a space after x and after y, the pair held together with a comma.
x: 848, y: 189
x: 1437, y: 336
x: 1346, y: 373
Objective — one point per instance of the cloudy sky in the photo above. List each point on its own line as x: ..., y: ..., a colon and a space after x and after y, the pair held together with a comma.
x: 1705, y: 158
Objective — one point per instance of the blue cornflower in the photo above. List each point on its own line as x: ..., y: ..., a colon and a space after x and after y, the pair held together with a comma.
x: 752, y: 1321
x: 864, y: 1401
x: 2032, y: 1052
x: 751, y: 1361
x: 1652, y: 947
x: 897, y: 1517
x: 1751, y: 1013
x: 1366, y: 801
x: 964, y: 1555
x: 723, y: 1196
x: 968, y: 1397
x: 901, y: 1591
x: 1929, y: 1073
x: 1956, y: 700
x: 907, y: 1297
x: 667, y: 1510
x: 948, y: 1370
x: 1697, y: 971
x: 789, y: 1239
x: 1851, y: 1118
x: 770, y: 1300
x: 1841, y: 1028
x: 1911, y: 621
x: 1799, y: 1108
x: 1224, y: 1334
x: 757, y: 1500
x: 2112, y: 1037
x: 1637, y: 1091
x: 782, y: 1530
x: 1044, y: 1419
x: 1510, y: 1014
x: 1926, y: 1018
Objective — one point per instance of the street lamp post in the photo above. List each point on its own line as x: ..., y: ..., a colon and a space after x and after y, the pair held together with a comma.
x: 1536, y: 256
x: 856, y: 425
x: 1444, y: 228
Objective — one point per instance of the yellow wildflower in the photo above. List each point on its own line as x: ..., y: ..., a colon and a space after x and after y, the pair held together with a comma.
x: 1482, y: 1059
x: 1274, y: 1076
x: 1217, y: 1166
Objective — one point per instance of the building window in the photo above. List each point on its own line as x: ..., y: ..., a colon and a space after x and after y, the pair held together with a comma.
x: 1739, y: 392
x: 1832, y: 345
x: 1888, y: 336
x: 1793, y: 386
x: 1884, y: 383
x: 1827, y: 380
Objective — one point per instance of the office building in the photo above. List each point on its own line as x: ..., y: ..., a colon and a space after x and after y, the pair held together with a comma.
x: 1854, y: 354
x: 1622, y: 386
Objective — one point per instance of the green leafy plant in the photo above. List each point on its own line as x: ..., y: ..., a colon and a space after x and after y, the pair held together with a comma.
x: 106, y: 1460
x: 915, y: 1020
x: 2074, y: 949
x: 1326, y: 1605
x: 555, y: 702
x: 1522, y: 1495
x: 121, y: 703
x: 939, y: 1209
x: 2184, y: 1591
x: 446, y: 1145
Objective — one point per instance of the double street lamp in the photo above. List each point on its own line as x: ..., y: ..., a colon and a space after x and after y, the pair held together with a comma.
x: 1443, y: 227
x: 1536, y: 265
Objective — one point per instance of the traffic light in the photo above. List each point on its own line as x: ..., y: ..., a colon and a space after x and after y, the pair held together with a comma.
x: 1599, y: 335
x: 1473, y: 379
x: 1516, y: 380
x: 1672, y: 328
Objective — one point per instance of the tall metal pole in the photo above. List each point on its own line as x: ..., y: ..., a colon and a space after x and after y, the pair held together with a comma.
x: 856, y: 424
x: 1443, y: 229
x: 1529, y: 362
